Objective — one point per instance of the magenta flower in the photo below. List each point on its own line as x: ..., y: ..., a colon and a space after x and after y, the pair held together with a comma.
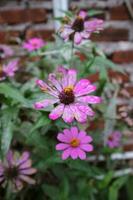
x: 17, y: 170
x: 71, y: 97
x: 33, y: 44
x: 114, y: 139
x: 80, y: 28
x: 9, y: 69
x: 5, y: 51
x: 74, y: 143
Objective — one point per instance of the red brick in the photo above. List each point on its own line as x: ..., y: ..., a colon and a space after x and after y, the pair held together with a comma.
x: 119, y: 13
x: 111, y: 74
x: 6, y: 36
x: 43, y: 33
x: 123, y: 56
x: 23, y: 15
x: 111, y: 34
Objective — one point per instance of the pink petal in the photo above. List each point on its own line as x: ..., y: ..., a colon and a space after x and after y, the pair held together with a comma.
x: 55, y: 82
x: 42, y: 84
x: 81, y: 154
x: 57, y: 112
x: 86, y: 147
x: 66, y: 154
x: 74, y: 153
x: 26, y: 164
x: 28, y: 171
x: 85, y: 109
x: 84, y: 88
x: 45, y: 103
x: 27, y: 179
x: 78, y: 114
x: 82, y: 14
x: 18, y: 184
x: 62, y: 146
x: 82, y: 134
x: 25, y: 156
x: 89, y: 99
x: 63, y: 138
x: 86, y: 139
x: 68, y: 134
x: 72, y: 77
x: 77, y: 38
x: 74, y: 131
x: 68, y: 116
x: 85, y: 35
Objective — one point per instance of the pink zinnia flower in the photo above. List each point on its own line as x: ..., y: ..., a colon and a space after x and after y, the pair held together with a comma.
x: 71, y: 97
x: 17, y: 170
x: 114, y: 139
x: 9, y: 69
x: 80, y: 28
x: 5, y: 51
x: 33, y: 44
x: 74, y: 143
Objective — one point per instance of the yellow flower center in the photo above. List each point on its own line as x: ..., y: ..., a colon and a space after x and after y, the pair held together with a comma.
x: 75, y: 142
x: 68, y: 89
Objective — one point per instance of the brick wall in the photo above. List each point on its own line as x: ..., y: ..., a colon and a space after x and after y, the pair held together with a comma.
x: 25, y: 19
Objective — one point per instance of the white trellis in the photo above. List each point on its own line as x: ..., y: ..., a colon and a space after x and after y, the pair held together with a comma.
x: 58, y: 7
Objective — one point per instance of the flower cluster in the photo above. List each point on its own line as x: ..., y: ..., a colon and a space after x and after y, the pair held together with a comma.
x: 17, y: 170
x: 80, y: 28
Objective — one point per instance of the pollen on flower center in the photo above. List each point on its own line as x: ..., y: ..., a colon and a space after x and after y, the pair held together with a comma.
x: 75, y: 142
x: 67, y: 96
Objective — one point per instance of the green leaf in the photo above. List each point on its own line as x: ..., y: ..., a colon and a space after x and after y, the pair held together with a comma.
x: 7, y: 129
x: 42, y: 122
x: 108, y: 177
x: 92, y: 12
x: 115, y: 187
x: 12, y: 93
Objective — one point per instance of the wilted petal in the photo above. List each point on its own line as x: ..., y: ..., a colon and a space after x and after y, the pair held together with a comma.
x: 72, y: 76
x: 55, y: 82
x: 85, y: 109
x: 89, y: 99
x: 57, y: 112
x: 78, y: 114
x: 68, y: 116
x: 84, y: 88
x: 77, y: 38
x: 45, y: 103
